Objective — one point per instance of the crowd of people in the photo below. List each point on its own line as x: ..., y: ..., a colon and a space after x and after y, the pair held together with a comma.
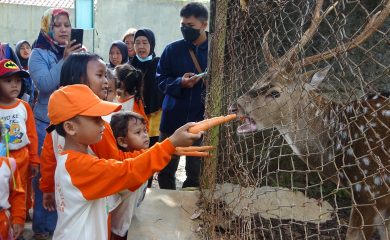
x: 82, y: 137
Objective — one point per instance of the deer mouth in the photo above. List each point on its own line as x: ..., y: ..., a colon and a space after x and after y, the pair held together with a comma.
x: 249, y: 126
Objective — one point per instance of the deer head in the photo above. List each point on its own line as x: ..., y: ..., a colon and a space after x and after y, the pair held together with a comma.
x: 276, y: 98
x: 284, y: 98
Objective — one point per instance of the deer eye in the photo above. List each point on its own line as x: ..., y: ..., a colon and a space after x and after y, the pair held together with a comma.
x: 274, y: 94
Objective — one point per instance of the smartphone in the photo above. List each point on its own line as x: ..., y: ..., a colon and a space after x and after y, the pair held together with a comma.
x: 200, y: 74
x: 77, y: 34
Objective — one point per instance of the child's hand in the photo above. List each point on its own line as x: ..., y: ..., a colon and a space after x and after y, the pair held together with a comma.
x: 182, y: 138
x: 18, y: 230
x: 49, y: 202
x: 34, y: 169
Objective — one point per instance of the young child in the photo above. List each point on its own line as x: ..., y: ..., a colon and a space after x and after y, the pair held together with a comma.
x: 12, y: 196
x: 129, y: 129
x: 89, y: 69
x: 79, y: 68
x: 130, y: 90
x: 82, y: 181
x: 19, y: 121
x: 112, y: 85
x: 12, y: 200
x: 118, y: 54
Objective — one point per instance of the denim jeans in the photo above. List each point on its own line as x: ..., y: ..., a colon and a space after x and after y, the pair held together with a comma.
x: 43, y: 221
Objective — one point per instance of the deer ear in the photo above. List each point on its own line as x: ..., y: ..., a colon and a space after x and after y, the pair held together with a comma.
x: 319, y: 76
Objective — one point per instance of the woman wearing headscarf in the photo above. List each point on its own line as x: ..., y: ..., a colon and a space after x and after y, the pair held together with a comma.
x: 146, y: 60
x: 118, y: 54
x: 23, y: 52
x: 51, y: 48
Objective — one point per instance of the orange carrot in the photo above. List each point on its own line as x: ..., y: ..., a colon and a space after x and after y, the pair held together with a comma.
x: 193, y: 154
x: 195, y: 148
x: 212, y: 122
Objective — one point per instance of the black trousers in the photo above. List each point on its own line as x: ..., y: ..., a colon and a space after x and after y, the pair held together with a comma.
x: 153, y: 140
x: 167, y: 178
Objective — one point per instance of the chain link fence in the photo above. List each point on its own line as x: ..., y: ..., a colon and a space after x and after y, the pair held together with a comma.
x: 309, y: 157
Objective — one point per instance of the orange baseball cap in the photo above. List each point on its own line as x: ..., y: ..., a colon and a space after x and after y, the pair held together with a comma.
x: 74, y: 100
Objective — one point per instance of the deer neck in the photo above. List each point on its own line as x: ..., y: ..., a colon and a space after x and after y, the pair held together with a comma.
x: 308, y: 131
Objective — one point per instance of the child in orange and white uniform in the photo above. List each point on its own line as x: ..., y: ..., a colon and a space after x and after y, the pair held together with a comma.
x: 130, y: 131
x: 82, y: 181
x: 19, y: 121
x: 130, y: 90
x: 12, y: 199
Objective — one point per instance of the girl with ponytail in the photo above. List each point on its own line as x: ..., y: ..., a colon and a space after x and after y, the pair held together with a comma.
x: 130, y: 89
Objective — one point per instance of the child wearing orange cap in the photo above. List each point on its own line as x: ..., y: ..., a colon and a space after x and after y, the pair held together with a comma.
x: 19, y: 121
x: 130, y: 131
x: 82, y: 181
x: 12, y: 198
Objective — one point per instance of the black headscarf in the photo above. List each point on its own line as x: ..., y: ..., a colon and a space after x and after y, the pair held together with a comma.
x: 152, y: 96
x: 123, y: 49
x: 23, y: 62
x: 150, y: 36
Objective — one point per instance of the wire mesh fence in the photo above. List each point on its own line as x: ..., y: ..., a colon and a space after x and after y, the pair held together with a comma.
x: 309, y: 158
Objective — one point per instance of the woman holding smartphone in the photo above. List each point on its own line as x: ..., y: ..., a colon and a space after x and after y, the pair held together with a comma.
x: 146, y: 60
x: 51, y: 48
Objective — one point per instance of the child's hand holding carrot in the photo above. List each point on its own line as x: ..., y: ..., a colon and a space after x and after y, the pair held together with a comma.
x: 211, y: 122
x: 194, y: 151
x: 183, y: 138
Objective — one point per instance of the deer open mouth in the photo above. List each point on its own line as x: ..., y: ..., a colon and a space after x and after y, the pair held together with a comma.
x: 248, y: 127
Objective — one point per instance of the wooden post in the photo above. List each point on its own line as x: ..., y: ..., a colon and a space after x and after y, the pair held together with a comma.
x: 217, y: 37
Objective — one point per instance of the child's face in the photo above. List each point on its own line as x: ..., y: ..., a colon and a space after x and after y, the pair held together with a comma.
x: 142, y: 46
x: 25, y: 51
x: 96, y: 72
x: 115, y: 55
x: 10, y: 88
x: 137, y: 136
x: 87, y: 130
x: 111, y: 90
x: 129, y: 40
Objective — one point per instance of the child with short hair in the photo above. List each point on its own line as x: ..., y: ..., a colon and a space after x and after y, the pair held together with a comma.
x: 19, y: 121
x: 130, y: 132
x: 12, y: 195
x: 82, y: 181
x: 79, y: 68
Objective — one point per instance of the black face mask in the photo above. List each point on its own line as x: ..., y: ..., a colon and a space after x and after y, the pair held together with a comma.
x: 190, y: 34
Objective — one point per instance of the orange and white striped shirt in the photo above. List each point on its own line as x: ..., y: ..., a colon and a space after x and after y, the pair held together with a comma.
x: 19, y: 121
x: 12, y: 195
x: 83, y: 181
x: 105, y: 148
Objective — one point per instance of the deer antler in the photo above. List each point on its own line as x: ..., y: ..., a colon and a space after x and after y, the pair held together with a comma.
x: 373, y: 24
x: 306, y: 37
x: 317, y: 18
x: 269, y: 59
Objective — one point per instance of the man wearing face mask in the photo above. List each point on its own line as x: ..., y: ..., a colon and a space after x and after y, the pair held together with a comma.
x: 184, y: 91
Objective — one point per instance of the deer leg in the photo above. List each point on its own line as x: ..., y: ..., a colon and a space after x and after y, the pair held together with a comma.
x: 361, y: 223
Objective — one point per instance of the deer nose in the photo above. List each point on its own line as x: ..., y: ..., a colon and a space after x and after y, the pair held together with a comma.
x: 233, y: 108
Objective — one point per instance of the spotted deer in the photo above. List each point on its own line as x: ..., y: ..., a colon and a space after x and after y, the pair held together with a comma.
x: 349, y: 144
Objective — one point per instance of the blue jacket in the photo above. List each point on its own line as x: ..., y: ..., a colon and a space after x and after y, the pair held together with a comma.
x: 180, y: 105
x: 45, y: 71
